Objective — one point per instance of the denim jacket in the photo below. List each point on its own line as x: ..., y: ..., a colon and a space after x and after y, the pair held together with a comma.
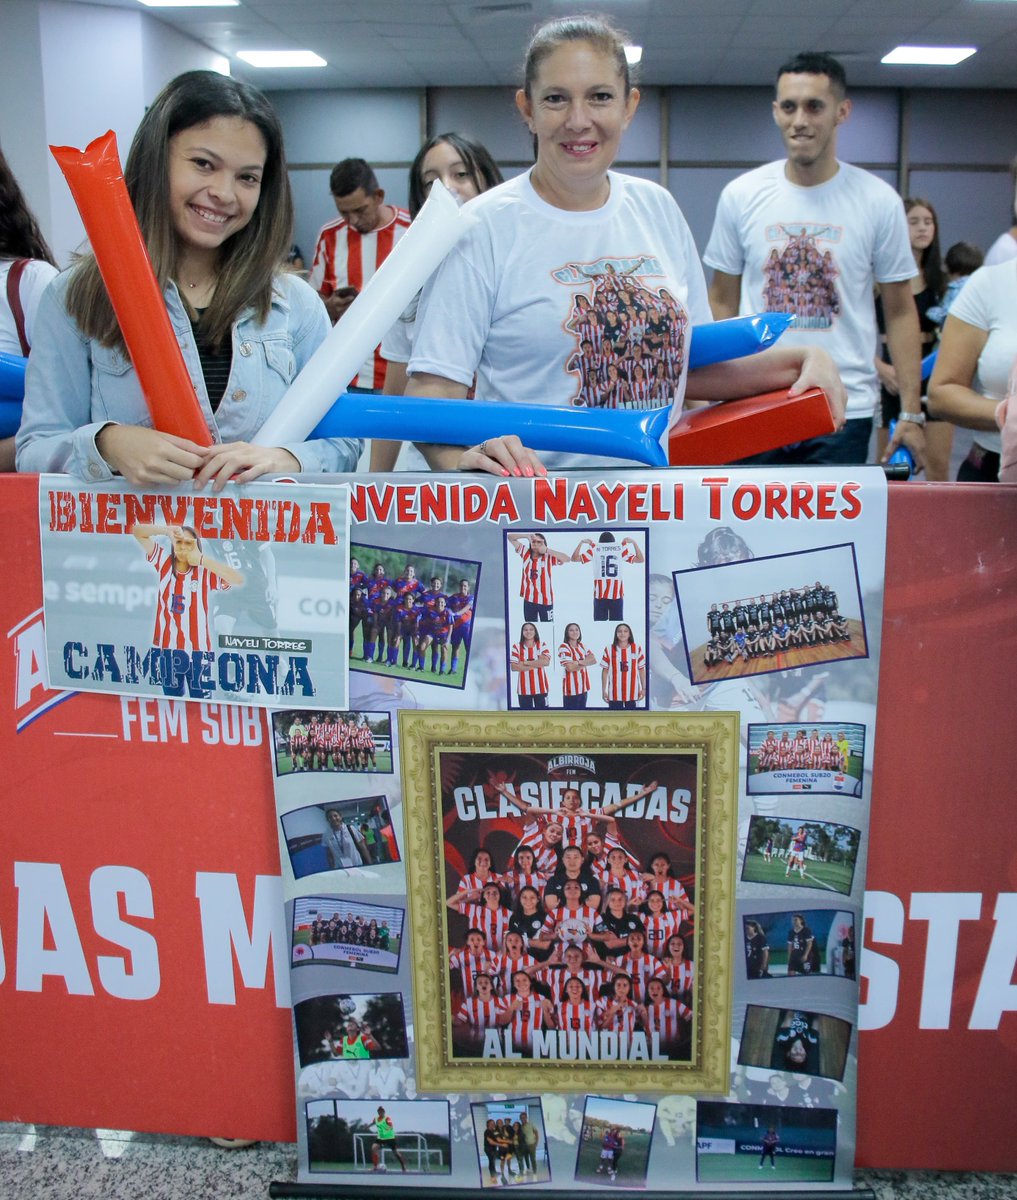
x: 75, y: 386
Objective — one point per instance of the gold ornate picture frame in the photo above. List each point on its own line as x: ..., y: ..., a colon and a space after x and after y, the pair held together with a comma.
x: 658, y: 786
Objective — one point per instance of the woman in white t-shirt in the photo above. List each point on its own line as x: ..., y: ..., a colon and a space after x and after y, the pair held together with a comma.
x: 972, y: 371
x: 568, y: 242
x: 26, y: 267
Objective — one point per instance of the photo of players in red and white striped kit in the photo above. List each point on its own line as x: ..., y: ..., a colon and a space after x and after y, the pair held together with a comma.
x: 576, y: 596
x: 569, y: 901
x: 187, y: 577
x: 313, y: 740
x: 623, y: 671
x: 822, y: 758
x: 608, y: 557
x: 411, y: 615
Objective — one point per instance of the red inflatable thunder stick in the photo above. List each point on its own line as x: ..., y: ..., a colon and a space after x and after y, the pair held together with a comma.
x: 725, y: 433
x: 96, y: 180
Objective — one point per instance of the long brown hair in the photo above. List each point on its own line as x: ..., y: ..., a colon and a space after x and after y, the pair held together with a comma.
x: 20, y: 235
x: 248, y: 260
x: 932, y: 261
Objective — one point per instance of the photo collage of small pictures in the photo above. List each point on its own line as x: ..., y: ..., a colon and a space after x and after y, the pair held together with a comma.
x: 410, y: 619
x: 576, y: 619
x: 785, y: 617
x: 334, y: 777
x: 586, y: 625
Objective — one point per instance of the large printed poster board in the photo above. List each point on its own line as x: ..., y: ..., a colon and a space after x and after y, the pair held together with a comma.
x: 211, y: 961
x: 573, y: 880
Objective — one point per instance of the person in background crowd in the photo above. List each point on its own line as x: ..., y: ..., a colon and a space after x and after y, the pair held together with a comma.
x: 811, y: 235
x: 961, y: 261
x: 351, y: 248
x: 466, y: 169
x: 26, y: 267
x: 927, y: 287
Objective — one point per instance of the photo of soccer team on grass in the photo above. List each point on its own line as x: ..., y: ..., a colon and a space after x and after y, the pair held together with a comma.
x: 816, y: 758
x: 307, y: 740
x: 411, y: 615
x: 570, y: 914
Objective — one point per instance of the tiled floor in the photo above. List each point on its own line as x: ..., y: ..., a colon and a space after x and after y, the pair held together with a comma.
x: 47, y: 1163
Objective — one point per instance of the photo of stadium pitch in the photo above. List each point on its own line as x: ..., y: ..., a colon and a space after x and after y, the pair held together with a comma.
x: 793, y: 853
x: 397, y: 1137
x: 764, y: 1145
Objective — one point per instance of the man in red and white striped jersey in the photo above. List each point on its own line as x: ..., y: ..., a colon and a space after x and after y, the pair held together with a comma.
x: 351, y: 248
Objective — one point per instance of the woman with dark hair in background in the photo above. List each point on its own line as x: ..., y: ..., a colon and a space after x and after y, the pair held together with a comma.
x: 207, y: 177
x: 466, y: 169
x: 26, y: 267
x: 928, y: 287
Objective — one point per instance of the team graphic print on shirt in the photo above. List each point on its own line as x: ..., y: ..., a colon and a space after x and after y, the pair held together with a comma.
x: 800, y: 273
x: 631, y: 337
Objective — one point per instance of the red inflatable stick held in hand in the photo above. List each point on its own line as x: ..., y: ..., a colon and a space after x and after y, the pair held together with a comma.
x: 96, y: 180
x: 725, y: 433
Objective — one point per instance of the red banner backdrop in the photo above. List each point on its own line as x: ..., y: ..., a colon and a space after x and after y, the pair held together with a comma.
x: 142, y: 947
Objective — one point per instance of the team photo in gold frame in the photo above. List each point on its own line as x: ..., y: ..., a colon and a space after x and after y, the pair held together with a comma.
x: 571, y: 883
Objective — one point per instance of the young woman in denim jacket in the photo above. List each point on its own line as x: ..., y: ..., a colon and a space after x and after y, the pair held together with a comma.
x: 207, y: 177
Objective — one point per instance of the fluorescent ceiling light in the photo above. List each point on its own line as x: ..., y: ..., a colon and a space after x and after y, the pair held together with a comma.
x: 281, y: 58
x: 633, y: 54
x: 191, y: 3
x: 932, y: 56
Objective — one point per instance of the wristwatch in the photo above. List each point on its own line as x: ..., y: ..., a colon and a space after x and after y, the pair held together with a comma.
x: 917, y: 418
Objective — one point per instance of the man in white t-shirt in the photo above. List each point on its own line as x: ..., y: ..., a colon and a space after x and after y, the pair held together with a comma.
x: 351, y: 248
x: 812, y: 235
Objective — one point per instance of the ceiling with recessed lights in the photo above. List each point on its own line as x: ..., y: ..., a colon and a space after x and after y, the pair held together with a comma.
x: 413, y: 43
